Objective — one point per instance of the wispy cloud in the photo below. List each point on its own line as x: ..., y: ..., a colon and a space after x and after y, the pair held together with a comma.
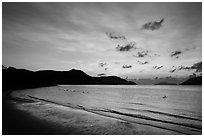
x: 127, y: 66
x: 102, y: 64
x: 172, y: 71
x: 127, y: 47
x: 179, y: 52
x: 113, y: 35
x: 157, y: 67
x: 197, y: 67
x: 184, y: 68
x: 176, y: 53
x: 141, y: 54
x: 153, y: 25
x: 142, y: 63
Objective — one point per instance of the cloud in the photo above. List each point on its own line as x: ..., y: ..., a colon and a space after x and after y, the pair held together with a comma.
x: 157, y: 67
x: 142, y: 63
x: 172, y: 71
x: 101, y: 74
x: 127, y: 66
x: 169, y: 77
x: 127, y: 47
x: 146, y: 62
x: 176, y: 53
x: 196, y: 66
x: 148, y: 53
x: 184, y: 68
x: 113, y: 35
x: 102, y: 64
x: 153, y: 25
x: 141, y: 54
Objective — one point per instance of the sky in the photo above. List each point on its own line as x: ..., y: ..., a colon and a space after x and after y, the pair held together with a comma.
x: 134, y: 40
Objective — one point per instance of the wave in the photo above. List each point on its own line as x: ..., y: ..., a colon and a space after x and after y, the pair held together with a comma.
x: 23, y: 100
x: 150, y: 118
x: 183, y: 128
x: 166, y: 114
x: 141, y: 104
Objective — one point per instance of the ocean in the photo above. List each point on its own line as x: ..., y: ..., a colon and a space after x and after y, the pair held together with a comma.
x: 173, y: 108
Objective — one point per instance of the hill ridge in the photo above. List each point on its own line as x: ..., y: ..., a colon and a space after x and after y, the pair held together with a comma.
x: 13, y: 78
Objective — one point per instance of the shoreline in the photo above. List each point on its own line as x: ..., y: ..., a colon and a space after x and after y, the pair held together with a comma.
x: 59, y: 120
x: 37, y: 116
x: 19, y: 122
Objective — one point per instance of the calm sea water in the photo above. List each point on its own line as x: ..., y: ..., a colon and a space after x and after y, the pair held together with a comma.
x: 180, y: 111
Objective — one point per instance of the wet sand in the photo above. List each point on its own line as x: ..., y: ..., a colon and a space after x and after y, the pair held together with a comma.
x: 19, y: 122
x: 24, y: 117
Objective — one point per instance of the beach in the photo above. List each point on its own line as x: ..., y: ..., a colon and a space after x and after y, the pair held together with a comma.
x: 28, y: 112
x: 58, y: 120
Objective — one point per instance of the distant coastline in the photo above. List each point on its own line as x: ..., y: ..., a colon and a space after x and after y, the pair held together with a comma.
x: 13, y: 79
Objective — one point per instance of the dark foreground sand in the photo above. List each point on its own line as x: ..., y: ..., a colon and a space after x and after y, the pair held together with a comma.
x: 23, y: 117
x: 19, y: 122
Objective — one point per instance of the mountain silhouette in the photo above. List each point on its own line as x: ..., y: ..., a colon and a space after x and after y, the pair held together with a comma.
x: 13, y: 78
x: 193, y: 81
x: 114, y: 80
x: 165, y: 83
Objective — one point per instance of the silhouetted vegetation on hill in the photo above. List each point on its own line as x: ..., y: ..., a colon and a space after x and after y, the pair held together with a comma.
x: 13, y: 78
x: 114, y: 80
x: 193, y: 81
x: 165, y: 83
